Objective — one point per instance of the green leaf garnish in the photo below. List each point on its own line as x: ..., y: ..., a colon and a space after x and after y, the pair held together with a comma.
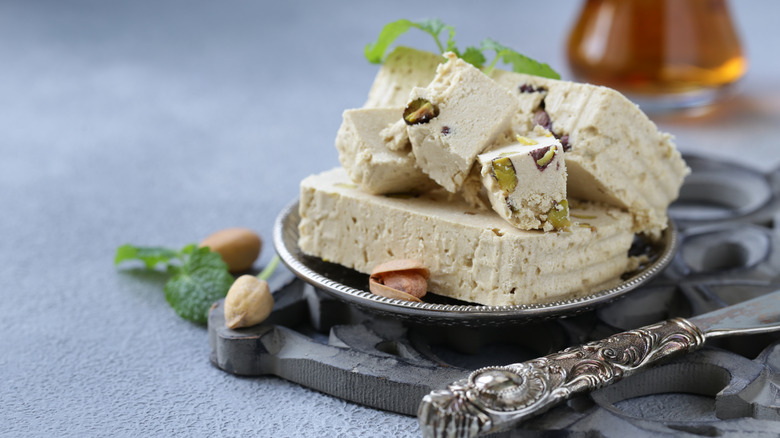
x: 150, y: 255
x: 199, y: 276
x: 375, y: 52
x: 473, y: 56
x: 202, y: 279
x: 520, y: 63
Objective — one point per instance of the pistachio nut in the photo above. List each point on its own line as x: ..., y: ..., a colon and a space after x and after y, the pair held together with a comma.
x: 558, y: 216
x: 504, y: 173
x: 420, y: 111
x: 546, y: 158
x: 525, y: 140
x: 248, y: 302
x: 239, y: 247
x: 400, y: 279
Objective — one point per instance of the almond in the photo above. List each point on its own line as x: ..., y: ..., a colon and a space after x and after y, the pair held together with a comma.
x: 239, y: 247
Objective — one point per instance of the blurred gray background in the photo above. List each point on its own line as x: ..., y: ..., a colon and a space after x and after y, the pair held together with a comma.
x: 158, y: 123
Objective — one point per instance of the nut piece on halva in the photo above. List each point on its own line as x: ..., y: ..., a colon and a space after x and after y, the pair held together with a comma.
x: 403, y: 69
x: 459, y: 114
x: 377, y: 156
x: 526, y: 182
x: 614, y: 153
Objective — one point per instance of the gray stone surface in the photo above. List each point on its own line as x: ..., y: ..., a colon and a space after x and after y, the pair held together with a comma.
x: 158, y: 123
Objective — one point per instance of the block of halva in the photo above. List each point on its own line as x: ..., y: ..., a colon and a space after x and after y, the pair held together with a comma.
x: 403, y: 69
x: 526, y: 182
x: 375, y: 156
x: 473, y: 255
x: 614, y: 153
x: 459, y: 114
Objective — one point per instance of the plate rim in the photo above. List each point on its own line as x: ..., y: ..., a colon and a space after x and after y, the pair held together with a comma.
x: 469, y: 313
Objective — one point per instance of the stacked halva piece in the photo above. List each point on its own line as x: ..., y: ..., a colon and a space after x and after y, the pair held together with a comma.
x: 510, y: 188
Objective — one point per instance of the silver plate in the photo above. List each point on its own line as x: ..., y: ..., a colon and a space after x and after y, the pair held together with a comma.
x: 352, y: 286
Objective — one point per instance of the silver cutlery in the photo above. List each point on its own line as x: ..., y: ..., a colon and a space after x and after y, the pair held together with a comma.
x: 497, y: 398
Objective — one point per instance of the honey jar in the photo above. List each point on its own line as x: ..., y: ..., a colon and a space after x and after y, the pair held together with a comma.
x: 663, y: 54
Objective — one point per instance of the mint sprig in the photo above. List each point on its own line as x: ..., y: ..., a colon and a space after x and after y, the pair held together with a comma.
x: 199, y: 276
x: 151, y: 256
x: 520, y: 63
x: 375, y: 52
x: 202, y: 279
x: 473, y: 56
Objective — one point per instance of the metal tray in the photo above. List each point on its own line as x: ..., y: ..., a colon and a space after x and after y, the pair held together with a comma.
x: 352, y: 286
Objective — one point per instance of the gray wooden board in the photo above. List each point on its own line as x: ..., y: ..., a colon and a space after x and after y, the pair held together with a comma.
x: 387, y: 365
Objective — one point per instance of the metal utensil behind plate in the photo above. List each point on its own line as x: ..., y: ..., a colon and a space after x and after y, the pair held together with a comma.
x: 351, y: 286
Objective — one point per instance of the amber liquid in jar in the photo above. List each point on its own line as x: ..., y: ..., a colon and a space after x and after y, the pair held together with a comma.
x: 675, y: 53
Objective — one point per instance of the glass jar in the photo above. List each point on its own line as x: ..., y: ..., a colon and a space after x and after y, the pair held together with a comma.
x: 663, y: 54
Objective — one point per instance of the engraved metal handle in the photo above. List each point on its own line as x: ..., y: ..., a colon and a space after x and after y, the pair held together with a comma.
x: 496, y: 398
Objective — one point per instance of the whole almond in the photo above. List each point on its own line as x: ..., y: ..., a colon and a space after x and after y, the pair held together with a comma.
x: 239, y: 247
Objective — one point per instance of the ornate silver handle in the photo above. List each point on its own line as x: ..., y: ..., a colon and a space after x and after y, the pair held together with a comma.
x: 496, y: 398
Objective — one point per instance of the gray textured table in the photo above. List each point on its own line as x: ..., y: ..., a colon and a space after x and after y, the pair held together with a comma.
x: 159, y: 123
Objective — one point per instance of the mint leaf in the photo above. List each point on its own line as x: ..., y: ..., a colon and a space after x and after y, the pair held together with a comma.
x: 450, y: 40
x: 189, y: 249
x: 375, y: 52
x: 434, y: 27
x: 520, y: 63
x: 151, y: 256
x: 473, y: 56
x: 200, y: 276
x: 202, y: 279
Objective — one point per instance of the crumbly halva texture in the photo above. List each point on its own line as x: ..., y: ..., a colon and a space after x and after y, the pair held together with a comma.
x: 617, y: 155
x: 403, y: 69
x: 472, y: 255
x: 472, y: 112
x: 378, y: 163
x: 526, y: 182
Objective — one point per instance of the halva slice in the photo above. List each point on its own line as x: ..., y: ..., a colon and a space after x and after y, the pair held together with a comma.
x: 375, y: 159
x: 460, y: 113
x: 474, y: 256
x: 614, y: 153
x: 403, y: 69
x: 526, y: 182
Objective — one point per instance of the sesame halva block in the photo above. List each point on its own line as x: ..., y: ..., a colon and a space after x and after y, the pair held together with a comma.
x: 472, y: 255
x: 526, y: 182
x: 378, y: 163
x: 614, y: 153
x: 456, y: 117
